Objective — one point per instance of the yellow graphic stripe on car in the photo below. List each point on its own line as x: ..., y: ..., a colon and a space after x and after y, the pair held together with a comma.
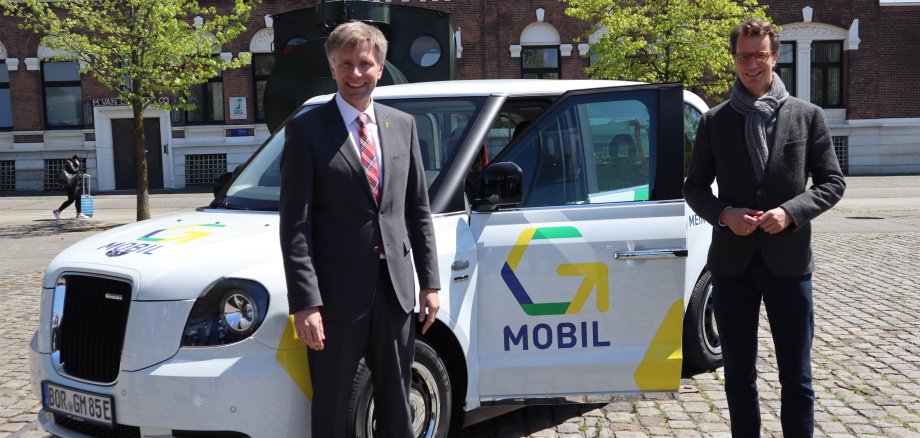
x: 292, y: 356
x: 519, y: 247
x: 595, y: 275
x: 660, y: 368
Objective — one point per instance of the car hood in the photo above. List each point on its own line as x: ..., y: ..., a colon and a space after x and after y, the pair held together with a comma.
x: 175, y: 257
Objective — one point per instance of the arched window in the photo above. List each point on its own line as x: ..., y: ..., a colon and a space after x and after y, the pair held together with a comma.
x: 263, y: 62
x: 541, y: 50
x: 811, y: 60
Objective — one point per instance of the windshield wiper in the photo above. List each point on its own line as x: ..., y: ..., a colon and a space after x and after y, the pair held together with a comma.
x: 230, y: 206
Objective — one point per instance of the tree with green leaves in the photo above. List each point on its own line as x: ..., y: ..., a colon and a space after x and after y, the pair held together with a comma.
x: 664, y: 40
x: 142, y: 50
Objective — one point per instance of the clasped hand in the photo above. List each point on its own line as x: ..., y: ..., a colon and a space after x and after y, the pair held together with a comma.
x: 744, y: 221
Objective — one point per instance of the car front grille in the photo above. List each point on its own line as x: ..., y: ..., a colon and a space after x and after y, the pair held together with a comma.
x: 92, y: 326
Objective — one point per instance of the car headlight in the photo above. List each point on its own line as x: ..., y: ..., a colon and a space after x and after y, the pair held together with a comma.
x: 229, y: 311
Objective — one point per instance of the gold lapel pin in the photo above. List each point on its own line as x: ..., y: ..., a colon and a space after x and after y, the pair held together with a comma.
x: 386, y: 124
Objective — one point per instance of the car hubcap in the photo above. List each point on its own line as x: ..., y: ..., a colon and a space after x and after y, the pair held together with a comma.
x: 424, y: 403
x: 710, y: 329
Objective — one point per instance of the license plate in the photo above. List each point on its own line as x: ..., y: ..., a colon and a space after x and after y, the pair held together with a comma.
x: 79, y: 405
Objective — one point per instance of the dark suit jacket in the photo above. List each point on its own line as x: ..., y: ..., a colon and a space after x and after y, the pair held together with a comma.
x: 802, y: 146
x: 331, y: 228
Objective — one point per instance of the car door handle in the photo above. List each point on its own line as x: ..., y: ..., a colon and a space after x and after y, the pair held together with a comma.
x: 647, y: 254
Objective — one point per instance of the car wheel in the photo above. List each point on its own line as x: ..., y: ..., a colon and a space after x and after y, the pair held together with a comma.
x: 702, y: 345
x: 429, y: 397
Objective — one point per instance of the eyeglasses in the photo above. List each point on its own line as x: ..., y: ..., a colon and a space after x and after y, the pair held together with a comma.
x: 760, y: 57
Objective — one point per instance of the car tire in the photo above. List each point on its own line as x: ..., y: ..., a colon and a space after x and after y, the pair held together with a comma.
x: 702, y: 345
x: 430, y: 397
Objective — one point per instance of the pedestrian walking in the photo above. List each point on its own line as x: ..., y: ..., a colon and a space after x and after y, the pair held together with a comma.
x: 760, y: 147
x: 71, y: 177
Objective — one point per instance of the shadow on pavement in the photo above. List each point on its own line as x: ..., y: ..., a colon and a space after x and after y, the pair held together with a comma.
x: 50, y: 227
x: 532, y: 419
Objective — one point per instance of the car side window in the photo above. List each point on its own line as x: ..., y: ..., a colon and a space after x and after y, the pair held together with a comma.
x: 692, y: 118
x: 552, y: 158
x: 620, y: 136
x: 591, y: 149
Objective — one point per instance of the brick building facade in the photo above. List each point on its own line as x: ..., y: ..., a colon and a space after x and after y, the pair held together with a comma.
x: 852, y: 57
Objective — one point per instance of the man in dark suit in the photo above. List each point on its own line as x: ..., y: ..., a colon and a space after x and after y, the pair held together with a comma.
x: 761, y: 147
x: 354, y: 215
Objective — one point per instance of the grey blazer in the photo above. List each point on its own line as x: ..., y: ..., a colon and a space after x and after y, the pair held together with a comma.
x: 332, y: 230
x: 802, y: 146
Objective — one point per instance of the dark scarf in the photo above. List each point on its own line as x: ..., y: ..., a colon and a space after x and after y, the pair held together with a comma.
x: 757, y: 114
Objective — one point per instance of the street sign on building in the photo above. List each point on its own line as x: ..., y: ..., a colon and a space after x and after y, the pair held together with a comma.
x: 238, y: 108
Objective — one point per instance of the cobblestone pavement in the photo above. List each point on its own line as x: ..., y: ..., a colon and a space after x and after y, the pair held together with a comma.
x: 866, y: 349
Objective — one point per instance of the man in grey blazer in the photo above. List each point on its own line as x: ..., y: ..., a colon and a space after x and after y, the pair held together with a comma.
x: 354, y: 215
x: 761, y: 147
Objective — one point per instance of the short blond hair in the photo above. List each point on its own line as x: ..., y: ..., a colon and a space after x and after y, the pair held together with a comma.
x: 352, y: 34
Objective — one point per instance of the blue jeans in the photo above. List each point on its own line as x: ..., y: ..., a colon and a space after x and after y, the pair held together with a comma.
x: 790, y: 310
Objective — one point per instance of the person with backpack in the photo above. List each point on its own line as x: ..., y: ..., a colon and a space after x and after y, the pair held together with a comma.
x: 70, y: 177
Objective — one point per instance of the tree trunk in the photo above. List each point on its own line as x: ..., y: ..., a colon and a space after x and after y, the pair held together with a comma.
x: 140, y: 159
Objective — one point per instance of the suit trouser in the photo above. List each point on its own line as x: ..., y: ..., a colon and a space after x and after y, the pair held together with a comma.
x: 385, y: 337
x: 790, y: 311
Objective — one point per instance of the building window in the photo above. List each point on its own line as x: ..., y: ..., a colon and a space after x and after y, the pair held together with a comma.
x: 827, y: 74
x: 7, y: 175
x: 262, y: 66
x: 63, y: 95
x: 785, y: 66
x: 204, y: 169
x: 6, y: 107
x: 841, y: 148
x: 208, y: 99
x: 540, y: 62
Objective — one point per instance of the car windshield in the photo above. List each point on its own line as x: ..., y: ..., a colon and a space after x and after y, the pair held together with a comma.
x: 442, y: 124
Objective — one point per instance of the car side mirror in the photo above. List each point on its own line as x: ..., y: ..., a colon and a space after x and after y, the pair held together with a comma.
x: 221, y: 182
x: 500, y: 186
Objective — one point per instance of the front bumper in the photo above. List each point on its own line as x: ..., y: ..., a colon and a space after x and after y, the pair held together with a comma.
x: 237, y: 388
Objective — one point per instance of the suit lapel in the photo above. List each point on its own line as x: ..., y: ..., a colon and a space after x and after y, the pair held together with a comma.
x: 740, y: 147
x: 347, y: 148
x: 780, y: 135
x: 388, y: 143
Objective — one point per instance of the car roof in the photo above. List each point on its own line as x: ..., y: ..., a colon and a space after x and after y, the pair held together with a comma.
x: 490, y: 87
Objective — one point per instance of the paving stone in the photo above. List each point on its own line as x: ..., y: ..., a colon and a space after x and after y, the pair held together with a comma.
x: 681, y: 424
x: 864, y: 429
x: 714, y: 427
x: 677, y: 416
x: 831, y: 427
x: 630, y: 434
x: 651, y: 421
x: 697, y: 407
x: 568, y: 428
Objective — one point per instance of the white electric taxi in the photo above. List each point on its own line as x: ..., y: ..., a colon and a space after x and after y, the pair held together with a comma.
x: 572, y: 270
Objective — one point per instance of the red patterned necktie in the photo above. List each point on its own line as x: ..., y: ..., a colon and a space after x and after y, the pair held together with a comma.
x: 368, y: 159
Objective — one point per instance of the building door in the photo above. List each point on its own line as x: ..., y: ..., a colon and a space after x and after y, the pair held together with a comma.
x: 123, y: 142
